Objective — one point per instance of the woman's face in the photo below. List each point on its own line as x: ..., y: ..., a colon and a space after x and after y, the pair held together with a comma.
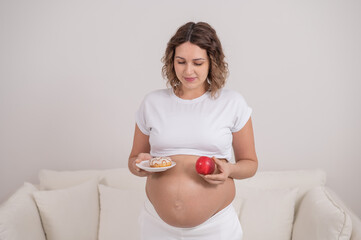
x: 191, y: 65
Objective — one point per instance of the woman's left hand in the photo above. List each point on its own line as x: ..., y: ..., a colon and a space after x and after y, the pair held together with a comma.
x: 221, y: 173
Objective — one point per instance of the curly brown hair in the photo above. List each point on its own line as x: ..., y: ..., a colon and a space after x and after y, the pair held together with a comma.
x: 205, y: 37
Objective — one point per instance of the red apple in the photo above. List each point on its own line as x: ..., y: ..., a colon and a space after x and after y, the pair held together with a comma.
x: 205, y: 165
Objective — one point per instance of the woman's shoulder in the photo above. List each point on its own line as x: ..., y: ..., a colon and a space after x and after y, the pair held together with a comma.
x: 229, y: 94
x: 235, y: 98
x: 158, y: 94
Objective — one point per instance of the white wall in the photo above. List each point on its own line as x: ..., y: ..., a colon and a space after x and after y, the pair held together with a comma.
x: 73, y: 72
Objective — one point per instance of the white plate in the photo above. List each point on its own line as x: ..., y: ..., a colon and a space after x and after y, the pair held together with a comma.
x: 145, y: 166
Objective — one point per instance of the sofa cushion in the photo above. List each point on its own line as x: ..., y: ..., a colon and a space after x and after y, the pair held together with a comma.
x: 124, y: 179
x: 304, y: 180
x: 71, y: 213
x: 267, y: 213
x: 51, y: 179
x: 28, y: 226
x: 119, y: 213
x: 119, y: 178
x: 321, y: 217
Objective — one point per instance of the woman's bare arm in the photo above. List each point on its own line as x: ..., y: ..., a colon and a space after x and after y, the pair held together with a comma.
x: 140, y: 152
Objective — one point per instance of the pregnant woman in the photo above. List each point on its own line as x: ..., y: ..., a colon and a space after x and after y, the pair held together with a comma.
x: 194, y: 117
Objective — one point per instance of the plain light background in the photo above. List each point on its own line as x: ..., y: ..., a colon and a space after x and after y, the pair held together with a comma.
x: 73, y: 73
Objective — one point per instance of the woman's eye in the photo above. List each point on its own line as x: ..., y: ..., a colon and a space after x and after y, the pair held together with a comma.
x: 198, y: 64
x: 181, y: 62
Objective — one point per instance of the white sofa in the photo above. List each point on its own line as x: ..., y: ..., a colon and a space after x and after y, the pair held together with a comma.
x: 105, y: 205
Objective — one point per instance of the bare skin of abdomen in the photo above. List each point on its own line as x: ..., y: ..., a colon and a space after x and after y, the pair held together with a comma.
x: 182, y: 198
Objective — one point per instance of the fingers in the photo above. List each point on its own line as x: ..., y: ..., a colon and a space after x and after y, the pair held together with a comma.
x: 140, y: 158
x: 135, y: 165
x: 140, y: 172
x: 217, y: 161
x: 220, y: 175
x: 219, y: 165
x: 214, y: 178
x: 214, y: 182
x: 143, y: 157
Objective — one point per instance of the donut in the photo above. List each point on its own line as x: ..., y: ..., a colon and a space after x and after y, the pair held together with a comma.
x: 160, y: 162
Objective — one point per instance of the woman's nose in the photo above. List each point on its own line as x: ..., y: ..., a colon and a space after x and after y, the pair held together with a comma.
x: 189, y: 69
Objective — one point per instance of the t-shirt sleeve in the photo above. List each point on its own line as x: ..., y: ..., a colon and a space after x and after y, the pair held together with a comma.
x: 242, y: 114
x: 141, y: 119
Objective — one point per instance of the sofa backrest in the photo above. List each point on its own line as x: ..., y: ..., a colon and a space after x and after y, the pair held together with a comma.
x: 279, y: 188
x: 123, y: 179
x: 303, y: 180
x: 118, y: 177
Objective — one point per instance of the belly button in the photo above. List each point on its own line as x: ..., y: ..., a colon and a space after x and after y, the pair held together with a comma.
x: 178, y: 205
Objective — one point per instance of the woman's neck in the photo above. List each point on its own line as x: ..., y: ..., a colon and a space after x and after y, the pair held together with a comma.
x: 189, y: 94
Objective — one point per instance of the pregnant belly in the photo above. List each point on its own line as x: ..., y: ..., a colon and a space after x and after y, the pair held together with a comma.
x: 184, y: 199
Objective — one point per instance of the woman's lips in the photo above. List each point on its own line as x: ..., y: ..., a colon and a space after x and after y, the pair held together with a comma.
x: 190, y: 79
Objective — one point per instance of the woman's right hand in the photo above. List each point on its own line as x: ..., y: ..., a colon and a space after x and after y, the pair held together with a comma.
x: 140, y: 158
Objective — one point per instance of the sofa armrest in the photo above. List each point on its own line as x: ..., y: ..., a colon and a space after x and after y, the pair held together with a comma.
x: 356, y: 222
x: 320, y: 216
x: 19, y: 216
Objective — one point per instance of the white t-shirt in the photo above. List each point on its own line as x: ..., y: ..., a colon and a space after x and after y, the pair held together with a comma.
x: 201, y: 126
